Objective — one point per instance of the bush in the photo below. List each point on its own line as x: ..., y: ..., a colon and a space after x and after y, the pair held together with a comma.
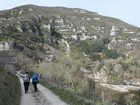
x: 95, y: 48
x: 110, y: 53
x: 95, y: 57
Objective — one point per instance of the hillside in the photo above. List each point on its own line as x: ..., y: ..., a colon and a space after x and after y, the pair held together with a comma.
x: 70, y: 45
x: 9, y: 89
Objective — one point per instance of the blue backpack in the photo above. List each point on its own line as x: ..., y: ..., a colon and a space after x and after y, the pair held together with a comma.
x: 35, y: 79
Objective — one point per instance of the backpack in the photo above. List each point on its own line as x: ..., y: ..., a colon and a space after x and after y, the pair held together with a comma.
x: 26, y: 78
x: 35, y: 80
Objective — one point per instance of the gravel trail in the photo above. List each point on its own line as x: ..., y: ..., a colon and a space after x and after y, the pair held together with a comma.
x: 42, y: 97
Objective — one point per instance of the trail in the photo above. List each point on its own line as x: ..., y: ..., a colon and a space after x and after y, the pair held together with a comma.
x: 42, y: 97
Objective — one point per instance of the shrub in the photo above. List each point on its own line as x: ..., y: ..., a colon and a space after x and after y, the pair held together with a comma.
x: 9, y: 89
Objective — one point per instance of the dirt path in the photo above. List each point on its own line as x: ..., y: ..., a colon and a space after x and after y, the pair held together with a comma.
x: 42, y: 97
x: 26, y: 99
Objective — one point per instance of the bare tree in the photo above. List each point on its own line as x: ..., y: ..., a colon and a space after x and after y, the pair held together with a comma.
x: 129, y: 100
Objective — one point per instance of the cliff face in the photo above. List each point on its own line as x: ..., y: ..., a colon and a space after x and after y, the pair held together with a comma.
x: 67, y: 23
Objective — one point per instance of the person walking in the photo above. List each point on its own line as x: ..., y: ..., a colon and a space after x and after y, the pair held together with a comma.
x: 26, y: 80
x: 35, y: 81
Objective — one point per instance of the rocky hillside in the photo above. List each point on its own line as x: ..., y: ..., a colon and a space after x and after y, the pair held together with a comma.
x: 71, y: 47
x: 76, y: 38
x: 66, y: 21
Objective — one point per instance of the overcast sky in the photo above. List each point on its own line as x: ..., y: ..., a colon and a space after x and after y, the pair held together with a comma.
x: 126, y: 10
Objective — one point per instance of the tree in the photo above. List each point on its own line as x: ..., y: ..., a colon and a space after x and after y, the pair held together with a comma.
x: 24, y: 62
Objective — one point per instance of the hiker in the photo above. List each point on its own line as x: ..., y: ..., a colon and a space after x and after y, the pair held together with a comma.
x: 26, y: 80
x: 35, y: 81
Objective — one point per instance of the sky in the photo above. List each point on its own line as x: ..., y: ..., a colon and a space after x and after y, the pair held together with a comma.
x: 125, y: 10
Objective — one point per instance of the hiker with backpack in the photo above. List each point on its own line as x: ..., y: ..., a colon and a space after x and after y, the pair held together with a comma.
x: 26, y: 81
x: 35, y: 81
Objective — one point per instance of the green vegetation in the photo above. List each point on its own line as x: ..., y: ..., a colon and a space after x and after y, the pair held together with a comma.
x: 65, y: 95
x: 98, y: 50
x: 9, y: 89
x: 37, y: 35
x: 2, y: 39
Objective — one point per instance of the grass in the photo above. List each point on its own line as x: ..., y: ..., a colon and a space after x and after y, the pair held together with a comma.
x: 65, y: 95
x: 9, y: 89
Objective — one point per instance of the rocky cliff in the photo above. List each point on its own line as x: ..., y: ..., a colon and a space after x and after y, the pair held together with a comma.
x: 99, y: 43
